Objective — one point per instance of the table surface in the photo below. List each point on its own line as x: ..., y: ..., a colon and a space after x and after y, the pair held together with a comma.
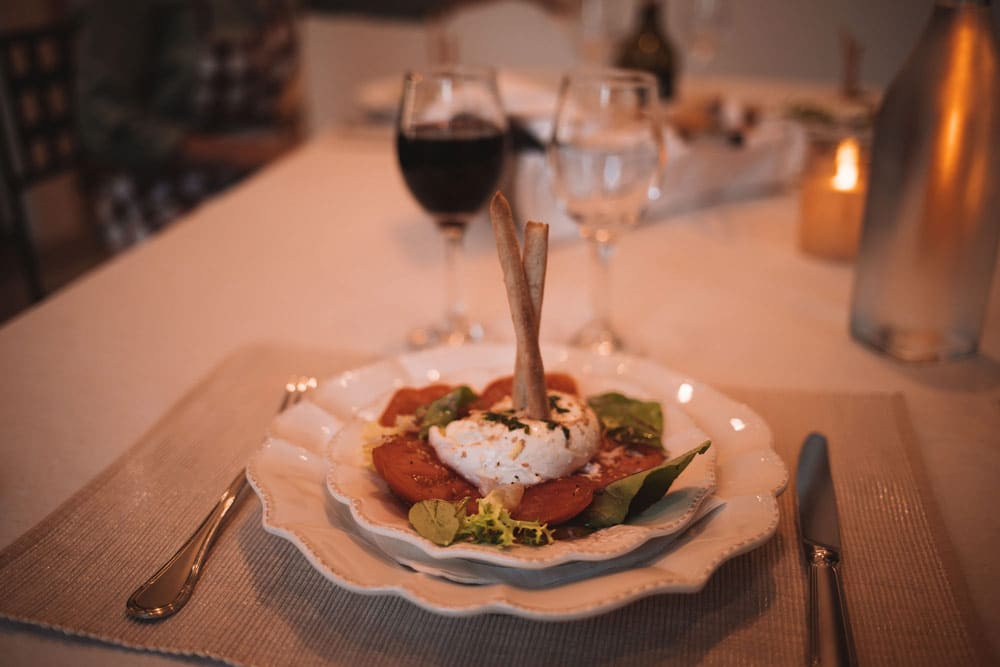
x: 326, y: 248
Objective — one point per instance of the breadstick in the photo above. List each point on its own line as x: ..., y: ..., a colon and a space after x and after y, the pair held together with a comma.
x: 535, y: 256
x: 529, y: 358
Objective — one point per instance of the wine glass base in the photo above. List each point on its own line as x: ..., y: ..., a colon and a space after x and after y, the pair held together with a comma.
x: 599, y: 337
x: 422, y: 338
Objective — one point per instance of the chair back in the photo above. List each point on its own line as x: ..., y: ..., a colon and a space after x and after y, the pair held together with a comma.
x: 37, y: 104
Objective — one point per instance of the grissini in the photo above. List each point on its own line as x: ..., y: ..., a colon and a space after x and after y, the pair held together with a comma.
x: 529, y: 357
x: 534, y: 258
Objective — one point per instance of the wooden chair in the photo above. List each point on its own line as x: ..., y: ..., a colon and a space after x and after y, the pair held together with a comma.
x: 37, y: 127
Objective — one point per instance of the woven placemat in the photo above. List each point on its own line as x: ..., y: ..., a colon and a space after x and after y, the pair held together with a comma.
x: 259, y: 602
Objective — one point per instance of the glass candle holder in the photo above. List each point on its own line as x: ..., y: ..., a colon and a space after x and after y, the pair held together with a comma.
x: 832, y: 196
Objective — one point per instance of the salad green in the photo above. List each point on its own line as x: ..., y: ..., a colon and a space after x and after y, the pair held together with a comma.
x: 446, y: 409
x: 444, y: 522
x: 631, y: 495
x: 629, y: 421
x: 625, y: 420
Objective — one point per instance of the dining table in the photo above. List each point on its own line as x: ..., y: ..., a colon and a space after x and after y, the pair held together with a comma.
x: 322, y: 262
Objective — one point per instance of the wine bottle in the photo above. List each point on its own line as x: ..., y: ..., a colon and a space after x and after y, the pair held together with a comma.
x: 649, y: 49
x: 931, y: 224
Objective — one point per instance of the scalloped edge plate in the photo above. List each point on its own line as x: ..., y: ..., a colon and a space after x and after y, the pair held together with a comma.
x: 288, y: 473
x: 352, y: 481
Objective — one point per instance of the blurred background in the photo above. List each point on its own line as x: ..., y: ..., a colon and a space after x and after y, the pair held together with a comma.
x: 346, y: 48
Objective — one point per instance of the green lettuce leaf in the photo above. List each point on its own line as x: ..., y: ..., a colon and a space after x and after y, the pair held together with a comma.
x: 443, y: 523
x: 438, y: 520
x: 631, y: 495
x: 445, y: 410
x: 628, y: 421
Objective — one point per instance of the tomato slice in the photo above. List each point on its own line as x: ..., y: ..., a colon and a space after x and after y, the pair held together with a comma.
x: 559, y: 500
x: 616, y: 461
x: 504, y: 386
x: 406, y: 401
x: 555, y: 501
x: 414, y: 473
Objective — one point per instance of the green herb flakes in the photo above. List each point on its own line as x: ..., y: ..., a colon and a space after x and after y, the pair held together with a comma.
x: 512, y: 423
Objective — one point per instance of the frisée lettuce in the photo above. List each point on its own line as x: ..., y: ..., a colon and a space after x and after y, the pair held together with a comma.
x: 444, y: 522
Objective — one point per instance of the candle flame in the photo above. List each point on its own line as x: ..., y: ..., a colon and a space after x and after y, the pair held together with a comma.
x: 846, y: 177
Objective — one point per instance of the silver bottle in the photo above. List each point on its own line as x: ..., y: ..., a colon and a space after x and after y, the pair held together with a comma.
x: 932, y: 215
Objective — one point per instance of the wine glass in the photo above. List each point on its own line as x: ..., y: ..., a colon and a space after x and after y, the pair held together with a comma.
x: 451, y: 142
x: 705, y: 23
x: 606, y: 153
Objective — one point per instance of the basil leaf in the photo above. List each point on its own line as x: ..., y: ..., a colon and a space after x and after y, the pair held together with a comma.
x: 445, y: 410
x: 628, y: 421
x: 633, y: 494
x: 437, y: 520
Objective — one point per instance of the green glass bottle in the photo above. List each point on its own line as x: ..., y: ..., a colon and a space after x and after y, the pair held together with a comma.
x: 649, y: 49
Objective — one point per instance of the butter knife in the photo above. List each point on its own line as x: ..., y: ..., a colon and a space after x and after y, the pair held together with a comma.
x: 830, y: 641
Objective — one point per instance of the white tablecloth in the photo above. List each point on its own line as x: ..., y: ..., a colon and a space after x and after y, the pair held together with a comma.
x: 327, y: 248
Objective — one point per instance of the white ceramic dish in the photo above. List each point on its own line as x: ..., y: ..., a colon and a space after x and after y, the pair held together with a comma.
x: 379, y: 514
x: 288, y: 473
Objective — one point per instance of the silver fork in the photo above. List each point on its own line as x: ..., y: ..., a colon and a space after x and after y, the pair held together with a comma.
x: 170, y: 588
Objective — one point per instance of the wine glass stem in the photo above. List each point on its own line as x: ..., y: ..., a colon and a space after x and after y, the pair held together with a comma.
x: 600, y: 289
x: 454, y: 307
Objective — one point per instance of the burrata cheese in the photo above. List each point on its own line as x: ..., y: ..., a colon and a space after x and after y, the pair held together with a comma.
x: 495, y: 447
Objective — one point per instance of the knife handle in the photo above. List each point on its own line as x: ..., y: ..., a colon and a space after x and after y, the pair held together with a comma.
x: 830, y: 641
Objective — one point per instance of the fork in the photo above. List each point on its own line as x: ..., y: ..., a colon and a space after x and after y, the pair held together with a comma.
x: 171, y: 587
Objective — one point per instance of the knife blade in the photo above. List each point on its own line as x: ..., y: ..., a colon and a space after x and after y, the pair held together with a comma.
x: 830, y: 641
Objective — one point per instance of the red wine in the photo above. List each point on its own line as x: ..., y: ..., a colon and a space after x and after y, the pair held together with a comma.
x: 452, y: 169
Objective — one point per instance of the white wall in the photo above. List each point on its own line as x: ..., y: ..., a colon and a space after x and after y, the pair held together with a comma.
x: 795, y: 39
x: 799, y: 38
x: 341, y: 53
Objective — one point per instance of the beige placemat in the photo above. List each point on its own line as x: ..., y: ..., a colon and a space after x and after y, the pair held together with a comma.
x: 259, y: 602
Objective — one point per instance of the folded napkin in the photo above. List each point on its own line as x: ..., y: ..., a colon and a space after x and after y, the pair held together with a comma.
x: 699, y: 173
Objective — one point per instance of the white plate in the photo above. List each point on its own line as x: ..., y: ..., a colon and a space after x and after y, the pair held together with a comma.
x: 378, y: 513
x: 288, y: 474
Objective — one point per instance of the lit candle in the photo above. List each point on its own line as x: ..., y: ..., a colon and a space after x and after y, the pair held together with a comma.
x: 846, y: 178
x: 832, y: 201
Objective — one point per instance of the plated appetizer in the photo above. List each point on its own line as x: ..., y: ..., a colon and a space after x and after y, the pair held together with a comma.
x: 528, y: 453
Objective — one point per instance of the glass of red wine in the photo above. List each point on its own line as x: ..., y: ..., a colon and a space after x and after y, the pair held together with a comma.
x: 451, y: 142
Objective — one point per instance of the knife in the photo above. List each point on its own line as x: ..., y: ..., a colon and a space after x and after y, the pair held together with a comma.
x: 830, y: 641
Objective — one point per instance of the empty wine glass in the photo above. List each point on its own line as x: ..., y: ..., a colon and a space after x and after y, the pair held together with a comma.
x: 705, y: 23
x: 451, y: 142
x: 606, y: 152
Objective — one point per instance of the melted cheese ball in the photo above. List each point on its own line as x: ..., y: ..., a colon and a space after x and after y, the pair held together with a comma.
x: 496, y: 447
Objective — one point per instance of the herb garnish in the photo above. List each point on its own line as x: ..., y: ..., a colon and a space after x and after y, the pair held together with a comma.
x: 554, y: 404
x: 512, y: 423
x: 553, y: 425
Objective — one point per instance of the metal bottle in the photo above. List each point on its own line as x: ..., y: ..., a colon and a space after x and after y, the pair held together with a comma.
x: 932, y: 216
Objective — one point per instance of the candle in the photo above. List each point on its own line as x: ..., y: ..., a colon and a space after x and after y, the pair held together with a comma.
x: 832, y: 199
